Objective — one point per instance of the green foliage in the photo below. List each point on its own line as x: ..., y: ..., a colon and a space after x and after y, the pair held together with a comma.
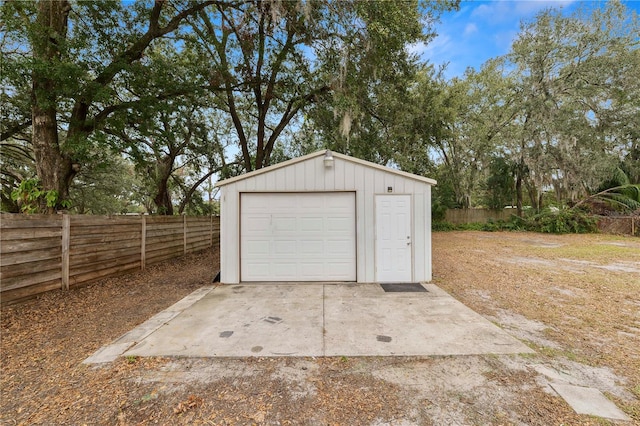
x: 565, y: 221
x: 33, y: 199
x: 559, y: 110
x: 499, y: 187
x: 443, y: 226
x: 562, y: 221
x: 384, y: 106
x: 438, y: 211
x: 617, y: 192
x: 107, y: 184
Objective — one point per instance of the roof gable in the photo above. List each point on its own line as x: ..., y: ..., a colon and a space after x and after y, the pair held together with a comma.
x: 321, y: 153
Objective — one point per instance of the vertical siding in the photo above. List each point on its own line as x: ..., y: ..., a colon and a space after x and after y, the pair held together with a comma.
x: 418, y: 236
x: 311, y: 175
x: 361, y: 250
x: 229, y: 236
x: 428, y: 275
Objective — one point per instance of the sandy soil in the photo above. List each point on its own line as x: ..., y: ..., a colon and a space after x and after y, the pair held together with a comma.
x: 574, y: 299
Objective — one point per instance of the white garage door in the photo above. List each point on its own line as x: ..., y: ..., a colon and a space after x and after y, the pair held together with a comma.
x: 298, y: 236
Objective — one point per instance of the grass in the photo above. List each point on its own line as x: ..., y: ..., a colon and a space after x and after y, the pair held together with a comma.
x: 604, y: 253
x: 583, y: 306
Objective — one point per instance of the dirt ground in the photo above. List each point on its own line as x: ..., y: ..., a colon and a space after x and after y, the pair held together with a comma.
x: 573, y: 299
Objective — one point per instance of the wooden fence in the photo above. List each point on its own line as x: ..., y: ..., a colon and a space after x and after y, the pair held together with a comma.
x: 624, y: 225
x: 462, y: 216
x: 39, y: 253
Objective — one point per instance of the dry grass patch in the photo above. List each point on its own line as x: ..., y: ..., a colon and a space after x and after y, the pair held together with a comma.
x: 579, y: 317
x: 563, y: 282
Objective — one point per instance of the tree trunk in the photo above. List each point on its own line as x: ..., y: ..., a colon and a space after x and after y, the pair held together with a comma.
x: 55, y: 169
x: 162, y: 199
x: 519, y: 190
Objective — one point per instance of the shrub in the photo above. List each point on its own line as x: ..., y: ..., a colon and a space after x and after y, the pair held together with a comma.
x: 565, y: 221
x: 442, y: 226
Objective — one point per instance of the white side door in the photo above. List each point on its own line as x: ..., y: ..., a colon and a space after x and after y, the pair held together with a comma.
x: 393, y: 238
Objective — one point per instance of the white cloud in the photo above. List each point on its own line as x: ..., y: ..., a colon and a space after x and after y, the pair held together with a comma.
x: 439, y: 44
x: 510, y: 10
x: 534, y: 6
x: 470, y: 29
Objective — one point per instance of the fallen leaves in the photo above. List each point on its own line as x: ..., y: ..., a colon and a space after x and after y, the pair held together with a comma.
x: 191, y: 402
x: 45, y: 340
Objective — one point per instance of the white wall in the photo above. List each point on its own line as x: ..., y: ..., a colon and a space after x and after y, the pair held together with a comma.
x: 311, y: 175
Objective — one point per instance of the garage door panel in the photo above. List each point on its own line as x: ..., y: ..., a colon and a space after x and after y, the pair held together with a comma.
x: 310, y: 203
x: 258, y: 247
x: 257, y: 224
x: 310, y: 248
x: 338, y: 224
x: 257, y: 269
x: 284, y: 269
x: 283, y: 248
x: 338, y: 269
x: 299, y: 236
x: 310, y: 224
x: 340, y: 247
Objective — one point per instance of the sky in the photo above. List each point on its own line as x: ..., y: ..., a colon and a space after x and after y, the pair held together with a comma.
x: 481, y: 30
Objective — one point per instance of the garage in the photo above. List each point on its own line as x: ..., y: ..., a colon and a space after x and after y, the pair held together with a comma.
x: 325, y: 217
x: 298, y: 236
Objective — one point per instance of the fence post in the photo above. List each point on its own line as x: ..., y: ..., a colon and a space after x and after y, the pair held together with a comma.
x: 184, y: 228
x: 66, y: 236
x: 143, y: 243
x: 210, y: 230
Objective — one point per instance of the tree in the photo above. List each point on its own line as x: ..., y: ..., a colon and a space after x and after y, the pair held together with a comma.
x: 570, y: 72
x: 72, y: 70
x: 273, y: 60
x: 556, y: 112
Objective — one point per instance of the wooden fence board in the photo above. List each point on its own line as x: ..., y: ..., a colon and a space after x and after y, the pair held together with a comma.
x: 162, y: 258
x: 37, y: 255
x: 152, y: 256
x: 26, y: 268
x: 105, y: 249
x: 30, y: 233
x: 21, y: 221
x: 29, y: 245
x: 90, y: 240
x: 197, y: 247
x: 81, y: 220
x: 96, y: 275
x: 621, y: 225
x: 461, y: 216
x: 198, y: 232
x: 101, y: 230
x: 17, y: 258
x: 24, y: 293
x: 31, y: 279
x: 171, y: 248
x: 165, y: 225
x: 97, y: 257
x: 116, y: 262
x: 167, y: 239
x: 160, y: 219
x: 151, y: 233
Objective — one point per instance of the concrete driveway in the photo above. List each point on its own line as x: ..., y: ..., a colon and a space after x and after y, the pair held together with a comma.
x: 313, y: 320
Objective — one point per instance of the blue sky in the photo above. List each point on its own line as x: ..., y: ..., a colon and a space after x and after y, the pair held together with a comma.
x: 481, y: 30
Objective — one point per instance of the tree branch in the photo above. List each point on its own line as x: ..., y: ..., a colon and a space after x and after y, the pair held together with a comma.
x: 17, y: 128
